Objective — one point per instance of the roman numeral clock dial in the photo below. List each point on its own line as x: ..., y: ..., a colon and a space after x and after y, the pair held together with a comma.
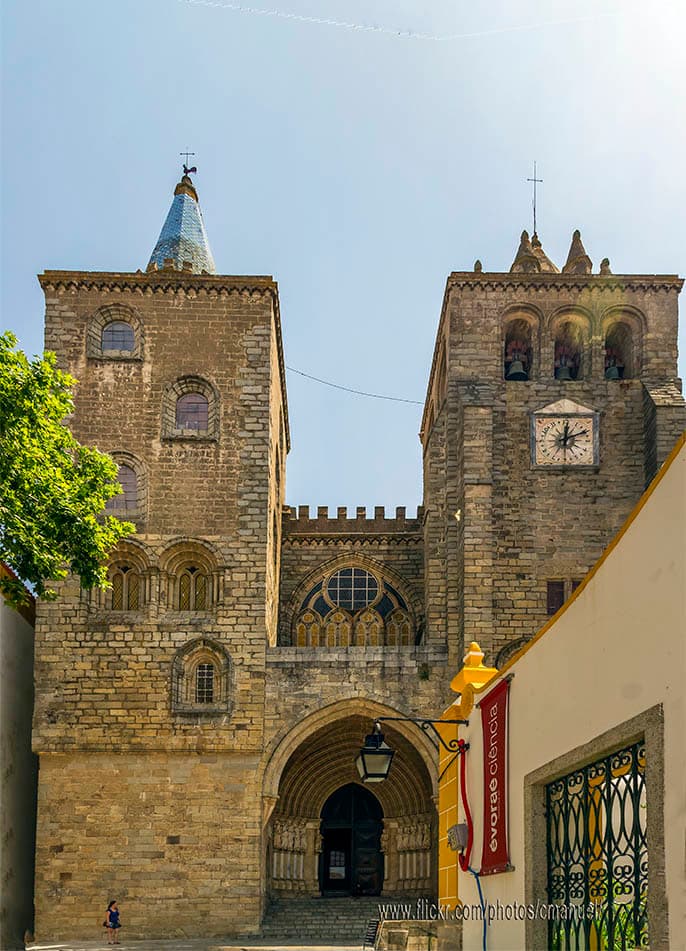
x: 565, y: 440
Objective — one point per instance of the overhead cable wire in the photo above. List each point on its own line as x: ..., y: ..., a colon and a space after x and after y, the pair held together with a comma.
x: 388, y: 31
x: 348, y: 389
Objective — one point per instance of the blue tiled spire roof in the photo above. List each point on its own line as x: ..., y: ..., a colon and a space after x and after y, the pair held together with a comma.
x: 183, y: 237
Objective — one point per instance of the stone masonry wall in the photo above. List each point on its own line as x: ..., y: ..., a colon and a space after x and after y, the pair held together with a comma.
x: 496, y: 527
x: 156, y: 831
x: 120, y: 768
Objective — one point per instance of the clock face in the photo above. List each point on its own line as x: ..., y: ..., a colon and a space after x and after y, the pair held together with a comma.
x: 565, y: 440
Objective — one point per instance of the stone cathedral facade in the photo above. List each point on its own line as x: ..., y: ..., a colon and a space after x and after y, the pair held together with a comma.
x: 197, y: 724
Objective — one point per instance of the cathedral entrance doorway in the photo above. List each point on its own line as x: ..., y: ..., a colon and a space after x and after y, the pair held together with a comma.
x: 329, y: 835
x: 351, y: 859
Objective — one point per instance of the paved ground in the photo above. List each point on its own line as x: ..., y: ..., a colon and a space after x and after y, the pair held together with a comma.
x: 189, y: 944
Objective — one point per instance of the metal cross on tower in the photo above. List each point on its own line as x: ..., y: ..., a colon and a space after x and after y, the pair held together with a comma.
x: 535, y: 180
x: 186, y: 169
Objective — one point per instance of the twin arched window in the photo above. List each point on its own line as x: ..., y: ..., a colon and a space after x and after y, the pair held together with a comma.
x: 126, y: 588
x: 353, y: 607
x: 192, y: 589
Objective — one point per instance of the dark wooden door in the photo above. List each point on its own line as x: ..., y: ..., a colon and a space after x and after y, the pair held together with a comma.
x: 351, y: 860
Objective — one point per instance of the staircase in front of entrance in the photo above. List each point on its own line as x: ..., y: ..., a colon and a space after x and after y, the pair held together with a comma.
x: 319, y: 920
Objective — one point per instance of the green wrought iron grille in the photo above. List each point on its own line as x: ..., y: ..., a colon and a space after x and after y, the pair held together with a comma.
x: 597, y: 854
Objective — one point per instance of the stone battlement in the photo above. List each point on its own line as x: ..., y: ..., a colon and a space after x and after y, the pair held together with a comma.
x: 300, y: 521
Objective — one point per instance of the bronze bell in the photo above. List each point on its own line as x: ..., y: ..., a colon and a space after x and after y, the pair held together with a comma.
x: 562, y: 373
x: 516, y: 371
x: 612, y: 373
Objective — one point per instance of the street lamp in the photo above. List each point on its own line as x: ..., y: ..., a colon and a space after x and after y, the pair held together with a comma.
x: 375, y: 757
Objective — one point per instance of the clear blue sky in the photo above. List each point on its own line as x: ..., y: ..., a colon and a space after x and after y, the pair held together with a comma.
x: 358, y: 168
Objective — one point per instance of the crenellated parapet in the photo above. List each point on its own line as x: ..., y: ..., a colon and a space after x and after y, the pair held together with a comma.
x: 301, y: 523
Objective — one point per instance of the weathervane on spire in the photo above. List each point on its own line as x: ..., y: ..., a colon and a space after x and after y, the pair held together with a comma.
x: 188, y: 171
x: 535, y: 180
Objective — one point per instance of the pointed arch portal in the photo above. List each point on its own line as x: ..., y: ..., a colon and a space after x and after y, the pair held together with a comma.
x: 329, y: 834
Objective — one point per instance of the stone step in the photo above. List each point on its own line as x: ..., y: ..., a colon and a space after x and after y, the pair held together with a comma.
x: 323, y: 919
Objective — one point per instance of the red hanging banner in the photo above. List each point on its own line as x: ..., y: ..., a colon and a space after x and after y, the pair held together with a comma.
x: 495, y: 857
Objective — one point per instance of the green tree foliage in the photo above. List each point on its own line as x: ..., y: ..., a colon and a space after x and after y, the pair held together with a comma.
x: 52, y: 490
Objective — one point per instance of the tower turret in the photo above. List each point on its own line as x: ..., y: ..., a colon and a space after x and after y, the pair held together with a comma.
x: 183, y: 239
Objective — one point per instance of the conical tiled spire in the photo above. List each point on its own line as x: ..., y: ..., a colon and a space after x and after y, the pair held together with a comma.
x: 578, y: 262
x: 183, y: 240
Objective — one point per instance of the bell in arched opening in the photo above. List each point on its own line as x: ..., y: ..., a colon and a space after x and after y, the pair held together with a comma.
x: 568, y: 350
x: 517, y: 355
x: 618, y: 351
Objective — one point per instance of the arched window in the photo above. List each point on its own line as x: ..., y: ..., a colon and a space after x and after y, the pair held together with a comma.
x: 569, y: 350
x: 352, y: 605
x: 619, y: 350
x: 128, y: 498
x: 518, y: 352
x: 308, y: 629
x: 201, y: 679
x: 337, y: 629
x: 399, y: 629
x: 115, y: 332
x: 193, y: 594
x: 118, y: 335
x: 191, y: 577
x: 368, y: 629
x: 126, y: 588
x: 192, y: 412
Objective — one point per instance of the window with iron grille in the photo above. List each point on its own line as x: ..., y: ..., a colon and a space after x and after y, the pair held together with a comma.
x: 201, y: 681
x: 204, y: 683
x: 597, y: 853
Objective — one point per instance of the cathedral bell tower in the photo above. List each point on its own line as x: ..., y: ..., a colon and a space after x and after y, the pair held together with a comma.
x: 181, y: 378
x: 553, y: 399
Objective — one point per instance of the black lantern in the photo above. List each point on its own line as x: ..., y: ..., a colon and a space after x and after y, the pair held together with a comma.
x: 375, y: 758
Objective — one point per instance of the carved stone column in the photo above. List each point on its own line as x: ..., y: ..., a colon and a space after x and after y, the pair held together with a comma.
x: 313, y: 848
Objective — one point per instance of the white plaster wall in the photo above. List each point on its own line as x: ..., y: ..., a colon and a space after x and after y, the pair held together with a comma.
x: 617, y: 650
